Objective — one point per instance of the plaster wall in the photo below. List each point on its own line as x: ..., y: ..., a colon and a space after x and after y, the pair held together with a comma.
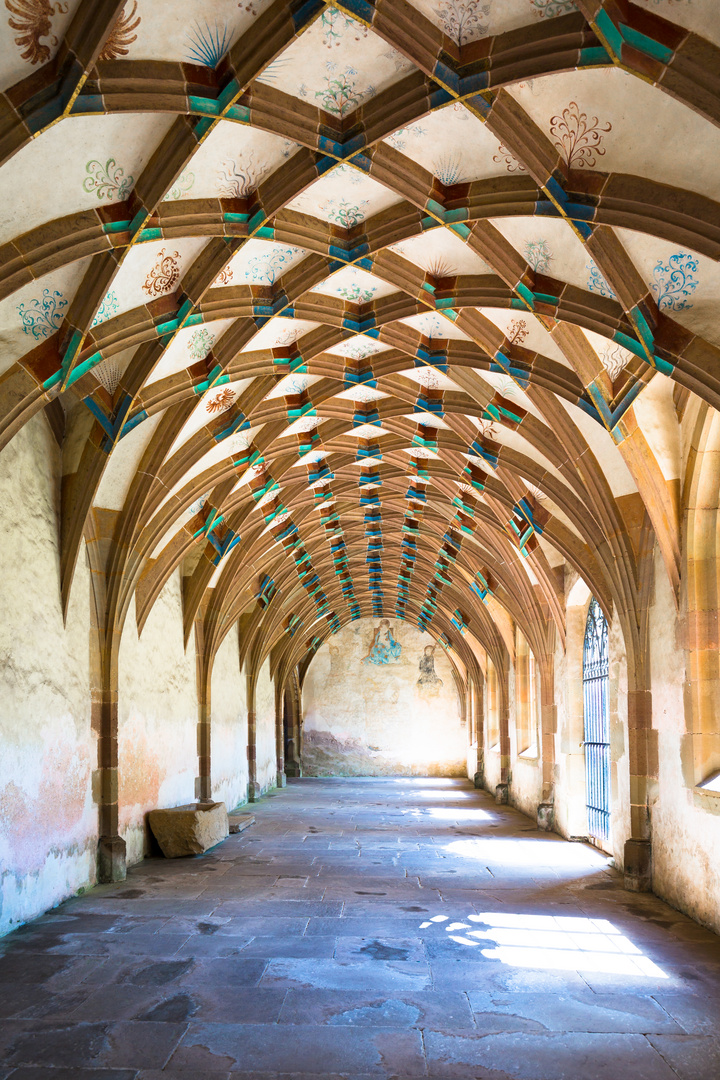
x: 525, y: 785
x: 374, y: 719
x: 48, y: 819
x: 265, y: 721
x: 157, y: 721
x: 685, y: 826
x: 228, y: 730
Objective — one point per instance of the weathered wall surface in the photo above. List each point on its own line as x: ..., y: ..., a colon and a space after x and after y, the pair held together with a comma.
x: 375, y: 719
x: 265, y: 720
x: 228, y: 731
x: 685, y: 826
x: 157, y: 736
x: 48, y: 821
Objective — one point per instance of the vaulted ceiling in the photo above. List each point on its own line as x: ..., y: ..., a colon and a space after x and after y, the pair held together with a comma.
x: 361, y: 309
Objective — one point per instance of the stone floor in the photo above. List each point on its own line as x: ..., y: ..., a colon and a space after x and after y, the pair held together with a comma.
x: 365, y: 928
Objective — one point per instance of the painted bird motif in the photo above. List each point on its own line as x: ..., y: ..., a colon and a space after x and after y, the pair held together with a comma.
x: 32, y: 19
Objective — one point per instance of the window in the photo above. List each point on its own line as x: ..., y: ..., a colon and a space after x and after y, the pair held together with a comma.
x: 526, y: 697
x: 493, y: 707
x: 596, y: 666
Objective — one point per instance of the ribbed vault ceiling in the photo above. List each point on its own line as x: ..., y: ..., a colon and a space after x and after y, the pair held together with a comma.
x: 361, y: 309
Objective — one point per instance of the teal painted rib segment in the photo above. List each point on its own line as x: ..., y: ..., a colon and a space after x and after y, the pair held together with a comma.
x: 204, y: 106
x: 463, y: 231
x: 235, y: 219
x: 594, y: 56
x: 266, y: 233
x: 146, y: 235
x: 115, y: 226
x: 257, y: 219
x: 609, y: 31
x: 240, y: 113
x: 163, y: 329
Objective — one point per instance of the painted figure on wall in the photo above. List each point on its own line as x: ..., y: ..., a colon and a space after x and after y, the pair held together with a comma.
x: 384, y: 649
x: 428, y: 676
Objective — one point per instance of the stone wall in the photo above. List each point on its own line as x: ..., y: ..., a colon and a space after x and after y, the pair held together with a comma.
x: 265, y: 721
x: 228, y: 732
x: 365, y: 718
x: 48, y: 821
x: 157, y: 717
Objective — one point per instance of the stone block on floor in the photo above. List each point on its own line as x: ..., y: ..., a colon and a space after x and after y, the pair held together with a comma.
x: 240, y: 822
x: 189, y: 830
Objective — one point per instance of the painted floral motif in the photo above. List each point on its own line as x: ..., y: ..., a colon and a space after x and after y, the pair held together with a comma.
x: 508, y: 159
x: 221, y: 401
x: 538, y: 255
x: 32, y: 19
x: 597, y: 283
x: 108, y: 308
x: 359, y: 350
x: 164, y: 275
x: 200, y: 343
x: 197, y: 506
x: 517, y: 331
x: 340, y: 95
x: 398, y: 139
x: 337, y: 25
x: 487, y: 428
x: 288, y: 337
x: 108, y: 181
x: 207, y: 44
x: 356, y: 294
x: 107, y: 374
x: 238, y: 179
x: 550, y: 9
x: 266, y: 267
x: 121, y: 36
x: 296, y: 386
x: 674, y: 281
x: 614, y: 359
x: 182, y: 185
x: 365, y: 393
x: 578, y: 137
x: 463, y: 20
x: 448, y: 168
x: 432, y: 326
x: 428, y: 378
x: 344, y: 213
x: 42, y: 317
x: 224, y: 277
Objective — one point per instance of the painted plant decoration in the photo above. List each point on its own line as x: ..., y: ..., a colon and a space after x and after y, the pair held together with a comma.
x: 448, y: 168
x: 182, y: 185
x: 32, y: 21
x: 517, y: 331
x: 597, y: 283
x: 107, y: 181
x: 108, y: 308
x: 164, y: 275
x: 340, y: 95
x: 336, y: 25
x: 538, y: 255
x: 384, y: 649
x: 398, y: 139
x: 507, y: 158
x: 42, y: 317
x: 463, y: 20
x: 207, y: 44
x: 428, y: 675
x: 107, y: 374
x: 356, y: 294
x: 121, y: 36
x: 578, y: 136
x: 238, y: 179
x: 343, y: 212
x: 221, y: 401
x: 266, y: 267
x: 200, y: 343
x: 674, y: 281
x: 224, y: 277
x: 614, y: 359
x: 550, y: 9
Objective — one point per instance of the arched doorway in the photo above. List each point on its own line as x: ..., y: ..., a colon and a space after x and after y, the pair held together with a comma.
x: 596, y: 724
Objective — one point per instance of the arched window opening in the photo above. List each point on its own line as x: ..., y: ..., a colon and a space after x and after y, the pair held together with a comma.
x: 493, y: 708
x: 596, y: 666
x: 526, y: 697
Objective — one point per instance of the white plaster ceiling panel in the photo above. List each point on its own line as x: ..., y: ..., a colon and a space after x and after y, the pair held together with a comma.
x: 28, y: 38
x: 291, y: 384
x: 345, y: 196
x: 212, y: 404
x: 608, y: 119
x: 354, y: 285
x: 36, y: 311
x: 231, y: 162
x: 698, y: 15
x: 429, y: 420
x: 432, y: 325
x: 122, y: 465
x: 469, y: 20
x: 260, y: 262
x: 550, y: 247
x: 655, y: 413
x: 524, y: 329
x: 152, y: 270
x: 279, y: 331
x: 510, y: 390
x: 685, y: 285
x: 600, y: 442
x: 452, y: 144
x: 196, y: 31
x: 188, y: 347
x: 82, y: 163
x: 366, y: 431
x: 430, y: 378
x: 612, y: 357
x: 337, y: 65
x: 361, y: 393
x: 441, y: 252
x: 358, y: 347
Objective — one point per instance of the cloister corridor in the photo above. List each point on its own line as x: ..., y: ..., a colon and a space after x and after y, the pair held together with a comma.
x: 365, y: 928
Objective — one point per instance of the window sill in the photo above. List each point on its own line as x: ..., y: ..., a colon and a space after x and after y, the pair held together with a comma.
x: 531, y: 754
x: 707, y: 800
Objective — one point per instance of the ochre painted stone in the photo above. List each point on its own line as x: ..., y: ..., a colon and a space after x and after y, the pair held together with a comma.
x: 189, y: 830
